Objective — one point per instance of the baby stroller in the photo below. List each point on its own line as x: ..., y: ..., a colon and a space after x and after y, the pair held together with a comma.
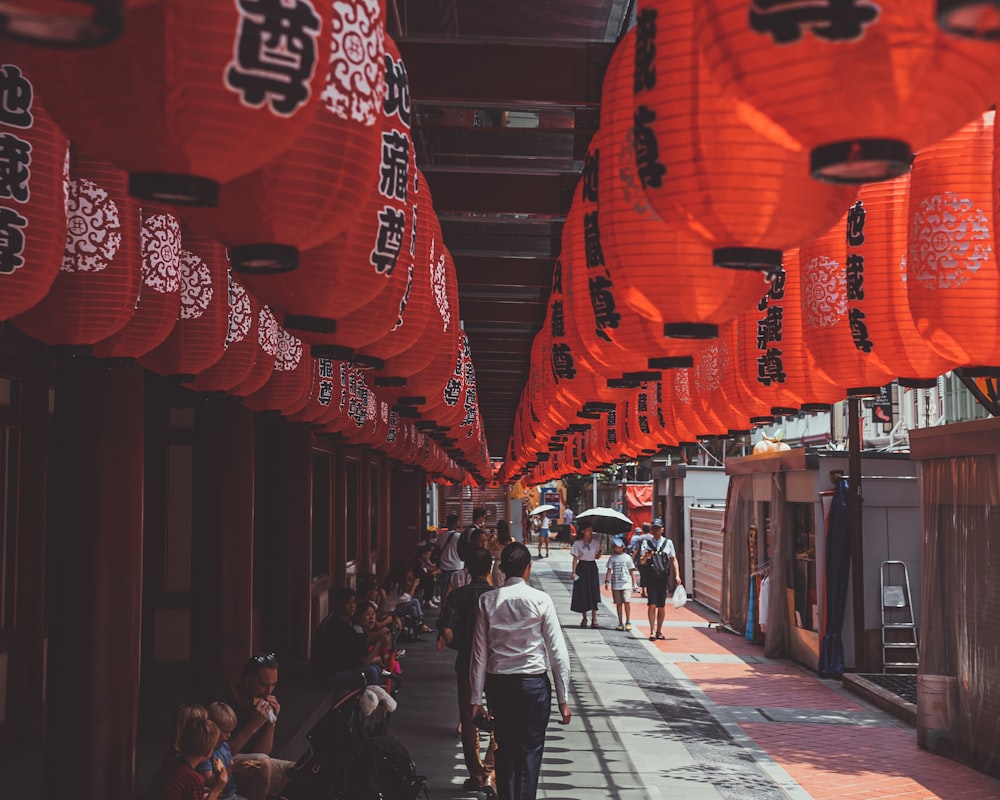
x: 352, y: 757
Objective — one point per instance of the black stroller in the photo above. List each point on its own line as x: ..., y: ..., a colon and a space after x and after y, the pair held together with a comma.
x: 352, y: 757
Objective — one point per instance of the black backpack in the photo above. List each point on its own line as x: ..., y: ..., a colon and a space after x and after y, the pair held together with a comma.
x: 393, y: 773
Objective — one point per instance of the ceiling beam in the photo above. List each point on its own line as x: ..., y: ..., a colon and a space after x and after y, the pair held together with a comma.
x: 506, y: 72
x: 501, y: 191
x: 501, y: 311
x: 486, y: 270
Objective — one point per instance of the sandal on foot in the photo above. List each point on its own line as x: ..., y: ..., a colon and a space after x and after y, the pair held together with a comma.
x: 652, y: 638
x: 619, y: 627
x: 583, y: 623
x: 660, y: 635
x: 628, y: 626
x: 594, y: 624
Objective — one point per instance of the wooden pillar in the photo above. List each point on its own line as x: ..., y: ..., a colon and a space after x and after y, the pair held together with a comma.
x: 298, y: 543
x: 856, y: 533
x: 94, y: 559
x: 26, y: 667
x: 222, y: 541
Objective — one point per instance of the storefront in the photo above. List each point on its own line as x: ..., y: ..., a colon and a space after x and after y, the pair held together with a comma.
x: 780, y: 567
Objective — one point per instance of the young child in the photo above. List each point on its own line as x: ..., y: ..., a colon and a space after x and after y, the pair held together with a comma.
x: 185, y: 712
x: 225, y: 719
x: 621, y: 577
x: 178, y: 779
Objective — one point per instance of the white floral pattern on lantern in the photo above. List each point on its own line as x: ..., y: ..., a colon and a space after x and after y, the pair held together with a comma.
x: 161, y: 253
x: 713, y: 364
x: 824, y: 292
x: 682, y: 386
x: 949, y: 241
x: 355, y: 80
x: 439, y: 281
x: 267, y: 331
x: 289, y: 354
x: 196, y: 285
x: 93, y: 228
x: 240, y: 313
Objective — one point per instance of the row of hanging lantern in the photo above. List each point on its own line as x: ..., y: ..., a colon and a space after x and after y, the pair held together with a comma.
x: 710, y: 153
x: 285, y: 236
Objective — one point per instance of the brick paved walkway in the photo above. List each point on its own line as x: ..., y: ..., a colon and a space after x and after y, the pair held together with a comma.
x: 857, y: 753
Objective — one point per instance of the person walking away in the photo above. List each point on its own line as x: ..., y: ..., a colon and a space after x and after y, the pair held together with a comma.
x: 586, y: 552
x: 517, y: 637
x: 620, y: 576
x: 543, y: 534
x: 448, y: 560
x: 496, y: 548
x: 457, y: 623
x: 656, y: 585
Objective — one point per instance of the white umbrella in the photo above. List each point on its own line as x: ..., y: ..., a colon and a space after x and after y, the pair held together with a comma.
x: 541, y: 509
x: 605, y: 520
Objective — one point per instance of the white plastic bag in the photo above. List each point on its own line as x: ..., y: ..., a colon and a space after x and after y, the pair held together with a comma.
x: 680, y: 596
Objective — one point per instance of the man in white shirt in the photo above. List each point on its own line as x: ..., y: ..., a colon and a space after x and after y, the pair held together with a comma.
x: 517, y: 638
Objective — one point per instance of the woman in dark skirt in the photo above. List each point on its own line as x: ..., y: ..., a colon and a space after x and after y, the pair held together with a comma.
x: 586, y: 551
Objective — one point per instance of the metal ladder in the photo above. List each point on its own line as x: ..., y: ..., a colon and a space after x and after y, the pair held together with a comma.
x: 899, y: 633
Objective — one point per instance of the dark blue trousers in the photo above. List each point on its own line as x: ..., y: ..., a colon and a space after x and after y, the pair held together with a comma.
x: 520, y: 705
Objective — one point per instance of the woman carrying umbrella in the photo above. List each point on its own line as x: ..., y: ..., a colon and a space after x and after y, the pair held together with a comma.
x: 586, y: 551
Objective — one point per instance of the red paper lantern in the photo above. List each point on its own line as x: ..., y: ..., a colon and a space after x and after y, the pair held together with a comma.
x: 746, y: 194
x: 264, y: 357
x: 331, y: 299
x: 159, y: 297
x: 195, y: 92
x: 658, y: 268
x: 198, y: 339
x: 769, y: 347
x: 238, y: 360
x: 880, y: 259
x: 72, y: 23
x: 94, y: 294
x: 32, y: 200
x: 834, y: 330
x: 861, y: 85
x: 287, y: 389
x: 321, y: 400
x: 312, y: 191
x: 952, y: 276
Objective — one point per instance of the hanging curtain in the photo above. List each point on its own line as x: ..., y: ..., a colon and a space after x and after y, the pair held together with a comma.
x: 959, y: 618
x: 778, y: 643
x: 736, y: 552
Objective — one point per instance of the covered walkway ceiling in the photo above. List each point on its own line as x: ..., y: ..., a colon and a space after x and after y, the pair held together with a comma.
x: 506, y: 99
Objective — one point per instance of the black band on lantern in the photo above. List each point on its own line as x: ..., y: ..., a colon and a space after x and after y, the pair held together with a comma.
x: 97, y: 22
x: 389, y: 381
x: 855, y: 392
x: 761, y: 420
x: 980, y: 372
x: 302, y: 322
x: 643, y: 376
x: 335, y: 351
x: 622, y: 383
x: 784, y: 411
x: 670, y: 362
x: 598, y: 407
x: 264, y: 259
x: 917, y: 383
x: 367, y: 362
x: 748, y: 258
x: 412, y: 400
x: 174, y: 188
x: 588, y: 415
x: 859, y: 161
x: 973, y: 19
x: 812, y: 408
x: 690, y: 330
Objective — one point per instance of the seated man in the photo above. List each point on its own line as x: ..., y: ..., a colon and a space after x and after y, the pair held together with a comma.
x: 340, y: 655
x: 252, y: 738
